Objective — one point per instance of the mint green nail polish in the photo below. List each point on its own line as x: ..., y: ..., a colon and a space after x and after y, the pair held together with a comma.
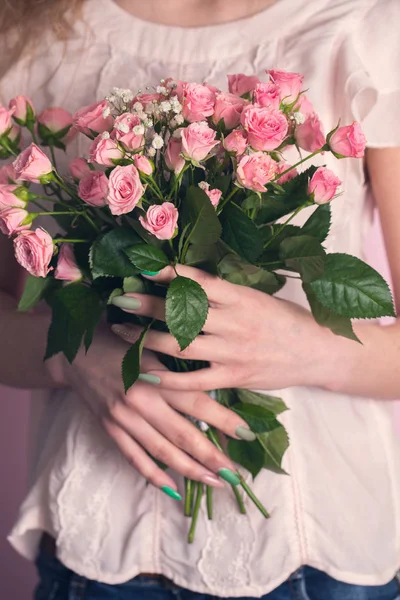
x: 149, y: 378
x: 245, y: 434
x: 150, y: 273
x: 127, y: 302
x: 171, y: 492
x: 229, y: 476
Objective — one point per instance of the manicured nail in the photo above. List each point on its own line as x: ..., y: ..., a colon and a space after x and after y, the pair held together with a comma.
x: 212, y: 480
x: 171, y: 492
x: 149, y: 378
x: 244, y: 433
x: 229, y: 476
x: 128, y: 302
x: 150, y: 273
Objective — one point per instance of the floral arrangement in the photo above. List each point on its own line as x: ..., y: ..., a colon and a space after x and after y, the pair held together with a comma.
x: 183, y: 174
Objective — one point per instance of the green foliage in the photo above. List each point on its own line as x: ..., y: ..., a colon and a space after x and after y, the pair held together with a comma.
x: 305, y: 255
x: 274, y: 443
x: 186, y: 310
x: 258, y: 418
x: 319, y: 223
x: 107, y: 255
x: 249, y: 455
x: 131, y: 361
x: 198, y: 211
x: 271, y: 403
x: 34, y: 290
x: 233, y: 269
x: 240, y: 233
x: 147, y: 258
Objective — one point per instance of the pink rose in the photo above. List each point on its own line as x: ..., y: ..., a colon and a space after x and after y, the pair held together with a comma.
x: 267, y: 95
x: 93, y: 188
x: 161, y: 220
x: 267, y: 128
x: 23, y: 109
x: 90, y: 121
x: 7, y: 174
x: 67, y: 269
x: 14, y: 134
x: 348, y: 141
x: 323, y: 185
x: 143, y: 164
x: 126, y: 129
x: 126, y: 190
x: 5, y: 120
x: 255, y: 170
x: 173, y: 158
x: 34, y: 251
x: 179, y: 89
x: 236, y: 141
x: 54, y: 120
x: 78, y: 168
x: 214, y: 195
x: 241, y: 84
x: 147, y: 99
x: 290, y: 84
x: 105, y: 151
x: 32, y: 165
x: 8, y: 198
x: 310, y: 134
x: 198, y: 102
x: 11, y: 220
x: 281, y: 168
x: 304, y: 106
x: 198, y: 139
x: 228, y: 107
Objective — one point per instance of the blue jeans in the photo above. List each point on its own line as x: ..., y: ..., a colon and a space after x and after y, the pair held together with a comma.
x: 59, y: 583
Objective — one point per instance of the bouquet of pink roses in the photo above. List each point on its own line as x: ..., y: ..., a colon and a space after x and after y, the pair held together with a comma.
x: 184, y: 174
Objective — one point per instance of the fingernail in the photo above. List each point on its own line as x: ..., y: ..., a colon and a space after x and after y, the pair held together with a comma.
x: 150, y: 273
x: 149, y: 378
x: 244, y: 433
x: 229, y: 476
x: 128, y: 302
x: 171, y: 492
x: 212, y: 480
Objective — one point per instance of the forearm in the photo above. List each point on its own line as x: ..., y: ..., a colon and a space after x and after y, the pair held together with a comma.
x: 371, y: 369
x: 23, y: 343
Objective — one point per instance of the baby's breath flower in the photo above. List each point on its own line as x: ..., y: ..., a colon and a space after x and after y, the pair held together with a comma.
x: 161, y: 89
x: 165, y: 106
x: 138, y: 107
x: 148, y: 123
x: 106, y: 112
x: 179, y: 119
x: 157, y: 142
x: 138, y: 130
x: 123, y: 127
x: 105, y: 135
x: 299, y: 118
x: 151, y: 152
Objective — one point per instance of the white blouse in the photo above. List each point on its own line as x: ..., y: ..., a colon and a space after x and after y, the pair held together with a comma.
x: 339, y: 510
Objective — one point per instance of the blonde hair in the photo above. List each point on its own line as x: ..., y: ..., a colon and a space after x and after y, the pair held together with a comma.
x: 23, y: 22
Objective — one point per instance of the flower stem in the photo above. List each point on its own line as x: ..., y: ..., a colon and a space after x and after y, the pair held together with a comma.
x: 189, y: 497
x: 226, y: 200
x: 199, y: 495
x: 69, y: 240
x: 53, y: 156
x: 282, y: 227
x: 31, y: 129
x: 253, y: 498
x: 209, y: 494
x: 56, y: 212
x: 303, y: 160
x: 239, y: 499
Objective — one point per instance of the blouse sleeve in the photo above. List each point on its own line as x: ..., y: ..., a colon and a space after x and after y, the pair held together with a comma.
x: 372, y: 61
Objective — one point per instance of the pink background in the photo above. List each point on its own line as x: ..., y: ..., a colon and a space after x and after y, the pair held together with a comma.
x: 17, y: 576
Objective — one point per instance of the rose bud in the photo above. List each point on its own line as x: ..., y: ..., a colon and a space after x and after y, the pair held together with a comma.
x: 198, y: 102
x: 34, y: 251
x: 24, y: 112
x: 105, y: 151
x: 78, y: 168
x: 323, y: 185
x: 91, y: 121
x: 310, y: 134
x: 348, y: 141
x: 5, y: 120
x: 125, y: 190
x: 8, y: 197
x: 173, y: 159
x: 143, y: 164
x: 290, y: 84
x: 53, y: 123
x: 129, y: 130
x: 33, y: 165
x: 255, y: 170
x: 281, y: 168
x: 161, y: 220
x: 228, y: 107
x: 93, y: 188
x: 304, y: 106
x: 267, y: 95
x: 267, y: 128
x: 236, y: 142
x: 67, y: 269
x: 14, y: 220
x: 198, y: 139
x: 241, y: 84
x: 214, y: 195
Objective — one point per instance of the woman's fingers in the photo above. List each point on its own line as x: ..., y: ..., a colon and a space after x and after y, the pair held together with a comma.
x: 213, y: 378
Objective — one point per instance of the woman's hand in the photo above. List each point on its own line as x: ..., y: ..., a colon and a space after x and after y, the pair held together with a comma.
x: 252, y: 340
x: 146, y: 422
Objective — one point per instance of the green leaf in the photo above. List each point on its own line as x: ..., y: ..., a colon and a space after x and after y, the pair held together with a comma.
x: 107, y: 254
x: 76, y: 311
x: 319, y: 223
x: 353, y: 289
x: 186, y: 310
x: 116, y: 292
x: 131, y: 361
x: 325, y: 317
x: 258, y: 418
x: 199, y: 212
x: 147, y: 258
x: 222, y: 183
x: 274, y: 443
x: 203, y: 257
x: 233, y: 269
x: 34, y: 290
x: 304, y: 254
x: 134, y: 285
x: 271, y: 403
x: 249, y: 455
x: 240, y: 233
